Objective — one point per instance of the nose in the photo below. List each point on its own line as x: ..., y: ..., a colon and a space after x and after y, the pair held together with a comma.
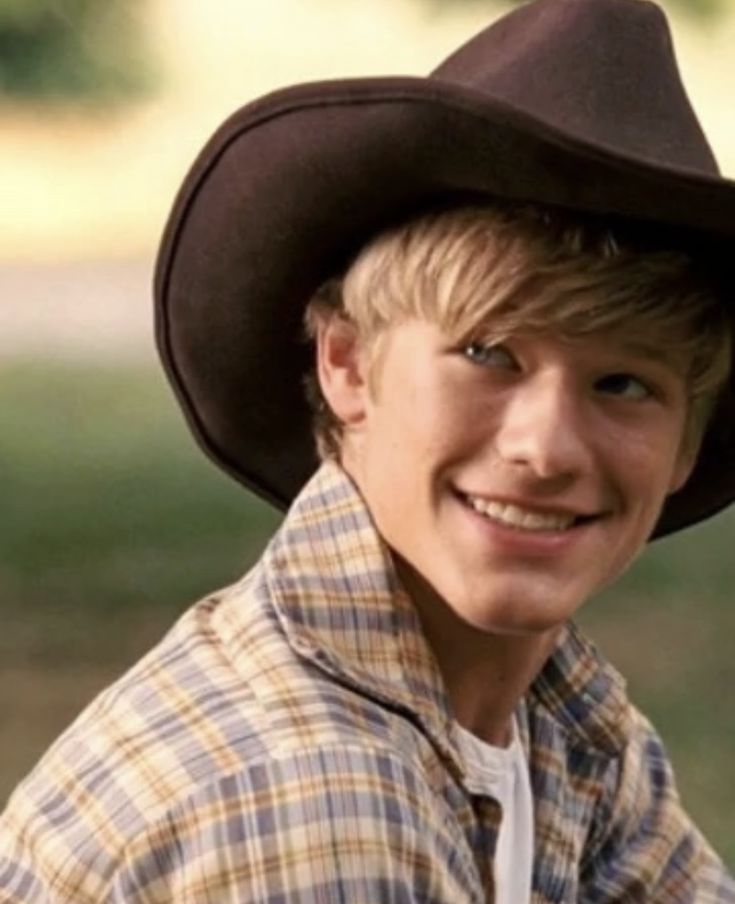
x: 543, y: 427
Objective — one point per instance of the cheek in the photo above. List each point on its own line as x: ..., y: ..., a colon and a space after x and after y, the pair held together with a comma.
x: 645, y: 459
x: 644, y: 476
x: 427, y: 419
x: 664, y: 467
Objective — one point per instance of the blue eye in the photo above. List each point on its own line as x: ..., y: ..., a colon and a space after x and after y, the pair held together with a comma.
x: 489, y: 355
x: 625, y: 386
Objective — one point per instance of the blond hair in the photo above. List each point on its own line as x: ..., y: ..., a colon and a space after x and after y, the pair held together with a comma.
x: 501, y: 269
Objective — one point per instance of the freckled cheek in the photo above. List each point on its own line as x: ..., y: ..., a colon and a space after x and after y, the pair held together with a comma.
x: 455, y: 429
x: 654, y: 456
x: 475, y: 422
x: 643, y: 481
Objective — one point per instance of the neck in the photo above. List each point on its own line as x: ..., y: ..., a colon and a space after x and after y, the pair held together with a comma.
x: 485, y: 674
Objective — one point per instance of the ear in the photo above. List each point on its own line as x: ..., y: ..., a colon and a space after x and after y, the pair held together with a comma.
x: 685, y: 462
x: 682, y: 473
x: 342, y: 369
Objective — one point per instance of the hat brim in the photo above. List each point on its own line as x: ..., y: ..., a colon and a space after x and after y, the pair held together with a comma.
x: 291, y: 185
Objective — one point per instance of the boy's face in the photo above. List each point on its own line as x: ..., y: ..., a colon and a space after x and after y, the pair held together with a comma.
x: 515, y: 480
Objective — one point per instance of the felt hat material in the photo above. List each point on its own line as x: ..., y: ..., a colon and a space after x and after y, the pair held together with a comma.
x: 572, y: 103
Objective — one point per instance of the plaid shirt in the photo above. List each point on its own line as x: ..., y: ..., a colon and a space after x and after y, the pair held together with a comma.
x: 290, y: 741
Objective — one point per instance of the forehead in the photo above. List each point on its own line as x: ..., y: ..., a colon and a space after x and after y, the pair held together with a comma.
x: 611, y: 347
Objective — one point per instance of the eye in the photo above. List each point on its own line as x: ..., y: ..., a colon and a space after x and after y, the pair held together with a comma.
x: 490, y: 355
x: 625, y: 386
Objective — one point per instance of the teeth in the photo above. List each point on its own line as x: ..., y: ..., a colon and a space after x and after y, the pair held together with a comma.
x: 515, y: 516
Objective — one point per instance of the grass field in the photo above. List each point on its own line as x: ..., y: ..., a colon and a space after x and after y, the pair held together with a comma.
x: 112, y: 522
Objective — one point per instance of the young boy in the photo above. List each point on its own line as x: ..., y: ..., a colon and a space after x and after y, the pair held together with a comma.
x: 519, y: 377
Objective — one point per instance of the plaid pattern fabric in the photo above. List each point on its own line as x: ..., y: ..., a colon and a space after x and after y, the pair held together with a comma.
x: 290, y: 742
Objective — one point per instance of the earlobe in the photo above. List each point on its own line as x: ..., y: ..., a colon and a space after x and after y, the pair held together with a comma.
x: 684, y: 466
x: 680, y: 476
x: 341, y: 369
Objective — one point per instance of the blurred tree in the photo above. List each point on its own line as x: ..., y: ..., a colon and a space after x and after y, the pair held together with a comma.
x: 72, y: 50
x: 705, y: 10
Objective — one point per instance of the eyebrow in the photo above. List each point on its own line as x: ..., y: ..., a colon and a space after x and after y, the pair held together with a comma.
x: 659, y: 352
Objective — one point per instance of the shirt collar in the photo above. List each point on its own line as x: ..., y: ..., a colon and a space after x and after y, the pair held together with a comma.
x: 334, y: 587
x: 584, y: 694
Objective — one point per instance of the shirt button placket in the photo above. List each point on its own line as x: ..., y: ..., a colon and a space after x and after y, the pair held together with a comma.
x: 489, y: 814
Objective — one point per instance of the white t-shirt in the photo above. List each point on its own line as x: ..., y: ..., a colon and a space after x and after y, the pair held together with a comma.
x: 502, y: 773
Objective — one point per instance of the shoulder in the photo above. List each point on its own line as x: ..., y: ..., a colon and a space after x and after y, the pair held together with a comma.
x: 348, y: 822
x: 148, y: 739
x: 197, y: 760
x: 340, y: 819
x: 602, y: 777
x: 644, y: 843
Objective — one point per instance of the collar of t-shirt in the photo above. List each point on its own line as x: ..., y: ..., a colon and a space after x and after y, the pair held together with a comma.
x: 502, y: 773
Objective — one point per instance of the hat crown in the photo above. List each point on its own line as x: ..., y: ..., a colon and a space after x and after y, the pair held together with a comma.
x: 575, y: 104
x: 600, y: 70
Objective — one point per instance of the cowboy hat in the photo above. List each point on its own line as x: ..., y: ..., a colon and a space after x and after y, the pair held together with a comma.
x: 572, y: 103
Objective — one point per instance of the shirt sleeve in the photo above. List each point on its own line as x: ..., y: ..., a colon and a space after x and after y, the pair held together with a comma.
x: 646, y: 848
x: 322, y: 827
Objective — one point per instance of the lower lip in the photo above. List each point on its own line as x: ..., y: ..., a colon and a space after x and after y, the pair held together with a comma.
x: 517, y: 541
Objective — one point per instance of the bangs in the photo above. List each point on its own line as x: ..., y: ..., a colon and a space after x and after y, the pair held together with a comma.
x: 491, y: 272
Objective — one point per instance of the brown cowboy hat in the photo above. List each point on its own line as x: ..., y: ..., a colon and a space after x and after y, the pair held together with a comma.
x: 572, y: 103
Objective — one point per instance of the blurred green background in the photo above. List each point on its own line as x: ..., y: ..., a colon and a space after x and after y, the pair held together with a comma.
x: 75, y: 50
x: 112, y: 521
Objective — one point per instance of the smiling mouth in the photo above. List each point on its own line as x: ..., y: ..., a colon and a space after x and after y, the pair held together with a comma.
x: 515, y: 516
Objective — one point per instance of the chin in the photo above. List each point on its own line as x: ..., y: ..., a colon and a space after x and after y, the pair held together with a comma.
x: 516, y: 627
x: 513, y: 617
